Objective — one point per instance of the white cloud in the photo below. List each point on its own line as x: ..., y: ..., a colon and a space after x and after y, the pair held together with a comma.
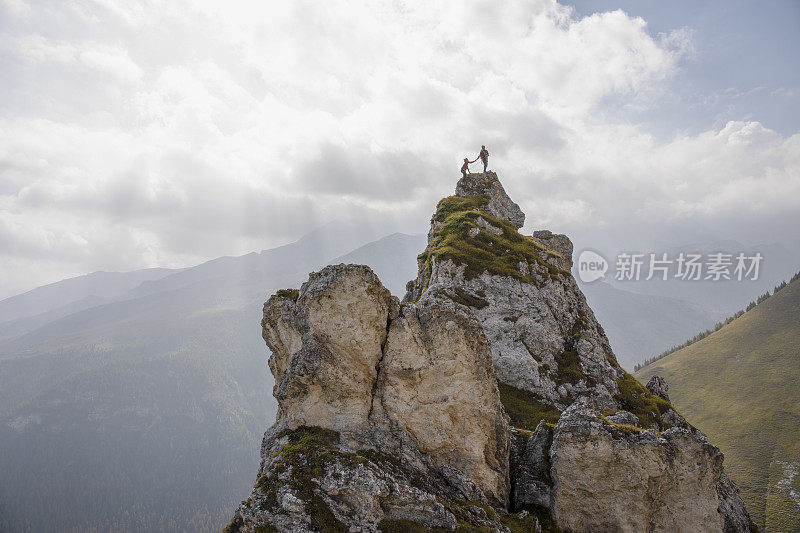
x: 184, y: 131
x: 19, y: 8
x: 110, y: 60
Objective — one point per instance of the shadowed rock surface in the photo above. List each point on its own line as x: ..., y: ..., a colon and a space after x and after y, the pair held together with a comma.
x: 490, y: 400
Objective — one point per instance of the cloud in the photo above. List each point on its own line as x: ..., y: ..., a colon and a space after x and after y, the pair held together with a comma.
x: 18, y: 8
x: 344, y: 171
x: 110, y: 60
x: 741, y: 175
x: 189, y: 130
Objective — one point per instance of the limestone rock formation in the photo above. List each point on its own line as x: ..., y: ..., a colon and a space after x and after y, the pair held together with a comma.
x: 438, y: 387
x: 326, y: 345
x: 544, y: 337
x: 498, y: 204
x: 489, y: 400
x: 608, y: 478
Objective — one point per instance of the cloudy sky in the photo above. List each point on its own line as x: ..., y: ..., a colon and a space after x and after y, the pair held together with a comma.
x: 166, y: 133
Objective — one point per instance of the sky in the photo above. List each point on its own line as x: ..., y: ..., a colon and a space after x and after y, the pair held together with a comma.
x: 167, y: 133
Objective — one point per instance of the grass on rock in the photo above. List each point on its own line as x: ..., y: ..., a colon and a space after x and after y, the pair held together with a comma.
x: 637, y: 399
x: 525, y: 409
x: 292, y: 294
x: 460, y: 239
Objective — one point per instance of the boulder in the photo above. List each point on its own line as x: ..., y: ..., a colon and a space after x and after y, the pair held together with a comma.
x: 607, y: 478
x: 624, y: 417
x: 658, y: 386
x: 437, y: 386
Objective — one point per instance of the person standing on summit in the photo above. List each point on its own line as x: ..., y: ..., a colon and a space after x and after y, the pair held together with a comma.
x: 484, y: 155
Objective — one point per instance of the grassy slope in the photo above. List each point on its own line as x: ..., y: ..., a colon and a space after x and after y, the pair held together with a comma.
x: 741, y: 385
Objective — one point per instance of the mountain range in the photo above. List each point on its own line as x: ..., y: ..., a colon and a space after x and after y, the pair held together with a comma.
x: 123, y: 389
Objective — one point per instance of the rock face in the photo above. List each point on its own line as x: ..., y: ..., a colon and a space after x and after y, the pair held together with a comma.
x: 609, y: 479
x: 326, y: 346
x: 490, y: 400
x: 544, y: 337
x: 438, y: 387
x: 498, y: 204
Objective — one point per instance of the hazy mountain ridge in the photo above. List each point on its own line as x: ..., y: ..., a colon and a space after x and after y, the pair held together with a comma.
x: 724, y: 296
x: 100, y: 401
x: 392, y: 257
x: 639, y: 325
x: 55, y: 295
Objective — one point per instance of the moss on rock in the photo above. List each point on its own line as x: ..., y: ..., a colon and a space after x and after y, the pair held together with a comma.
x: 634, y: 397
x: 462, y: 240
x: 626, y: 429
x: 525, y: 409
x: 306, y: 453
x: 464, y: 297
x: 406, y: 526
x: 517, y: 524
x: 569, y: 361
x: 458, y: 237
x: 234, y: 525
x: 292, y: 294
x: 457, y: 204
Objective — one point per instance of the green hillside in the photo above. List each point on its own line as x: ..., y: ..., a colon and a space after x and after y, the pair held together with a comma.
x: 741, y: 385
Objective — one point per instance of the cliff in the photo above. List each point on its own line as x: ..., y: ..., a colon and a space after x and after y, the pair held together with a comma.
x: 488, y: 400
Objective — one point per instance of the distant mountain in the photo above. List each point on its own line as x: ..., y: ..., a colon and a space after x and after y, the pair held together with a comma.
x: 721, y: 296
x: 20, y: 326
x: 144, y: 397
x: 393, y: 258
x: 312, y: 250
x: 642, y: 325
x: 69, y: 291
x: 740, y: 386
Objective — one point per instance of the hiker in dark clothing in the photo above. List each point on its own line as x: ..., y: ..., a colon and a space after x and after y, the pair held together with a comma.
x: 484, y: 156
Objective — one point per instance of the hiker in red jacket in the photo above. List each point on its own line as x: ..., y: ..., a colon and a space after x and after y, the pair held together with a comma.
x: 465, y: 167
x: 484, y: 156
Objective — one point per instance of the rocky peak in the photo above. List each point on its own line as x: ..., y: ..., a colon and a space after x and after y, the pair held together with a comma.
x: 489, y: 400
x: 498, y: 204
x: 544, y: 338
